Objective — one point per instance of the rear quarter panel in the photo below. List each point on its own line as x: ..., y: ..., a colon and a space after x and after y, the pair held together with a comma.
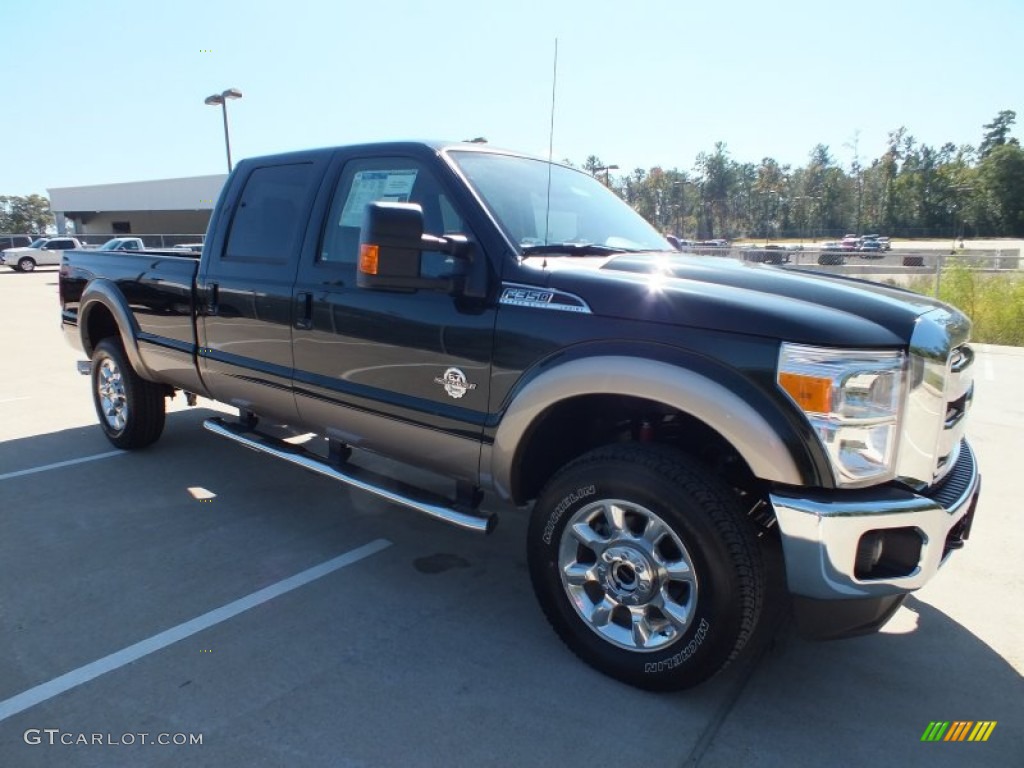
x: 156, y: 292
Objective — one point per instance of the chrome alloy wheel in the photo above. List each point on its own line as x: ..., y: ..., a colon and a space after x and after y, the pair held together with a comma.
x: 110, y: 387
x: 628, y: 575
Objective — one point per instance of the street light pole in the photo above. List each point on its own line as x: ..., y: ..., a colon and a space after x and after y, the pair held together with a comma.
x: 767, y: 200
x: 222, y: 100
x: 606, y: 169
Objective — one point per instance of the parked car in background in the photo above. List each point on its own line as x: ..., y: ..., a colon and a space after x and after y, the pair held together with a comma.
x: 194, y: 247
x: 870, y: 249
x: 770, y: 254
x: 14, y: 241
x: 832, y: 253
x: 885, y: 243
x: 849, y: 243
x: 46, y: 251
x: 123, y: 244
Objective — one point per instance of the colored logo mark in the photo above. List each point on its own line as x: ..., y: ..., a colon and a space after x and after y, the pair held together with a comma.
x: 959, y: 730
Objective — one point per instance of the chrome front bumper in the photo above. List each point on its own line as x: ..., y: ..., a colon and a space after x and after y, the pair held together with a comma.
x: 821, y: 532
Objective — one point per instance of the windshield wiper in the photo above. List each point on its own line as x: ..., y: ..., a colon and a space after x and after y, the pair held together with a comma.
x: 572, y: 249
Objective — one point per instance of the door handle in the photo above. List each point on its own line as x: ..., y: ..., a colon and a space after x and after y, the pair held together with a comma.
x: 304, y: 311
x: 213, y: 302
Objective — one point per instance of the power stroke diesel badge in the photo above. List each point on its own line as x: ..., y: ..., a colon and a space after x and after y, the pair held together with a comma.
x: 454, y: 382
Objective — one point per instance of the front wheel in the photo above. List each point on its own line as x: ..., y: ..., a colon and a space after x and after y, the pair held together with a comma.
x: 131, y: 410
x: 26, y: 264
x: 645, y: 566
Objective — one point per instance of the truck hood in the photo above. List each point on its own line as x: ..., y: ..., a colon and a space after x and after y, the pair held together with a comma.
x: 22, y: 249
x: 721, y: 294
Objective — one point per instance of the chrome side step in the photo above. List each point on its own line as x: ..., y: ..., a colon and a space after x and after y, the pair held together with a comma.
x: 357, y: 477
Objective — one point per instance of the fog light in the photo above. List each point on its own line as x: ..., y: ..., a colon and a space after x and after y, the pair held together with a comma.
x: 869, y: 552
x: 888, y: 553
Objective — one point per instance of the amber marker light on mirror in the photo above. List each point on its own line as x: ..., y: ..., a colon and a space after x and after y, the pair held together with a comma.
x: 368, y: 259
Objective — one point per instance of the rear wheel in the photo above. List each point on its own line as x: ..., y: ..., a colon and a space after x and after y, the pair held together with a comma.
x: 645, y: 566
x: 26, y: 264
x: 130, y: 409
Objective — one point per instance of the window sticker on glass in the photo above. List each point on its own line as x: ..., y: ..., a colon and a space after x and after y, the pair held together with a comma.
x: 374, y: 187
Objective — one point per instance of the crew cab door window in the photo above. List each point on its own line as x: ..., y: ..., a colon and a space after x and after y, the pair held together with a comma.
x: 266, y: 220
x: 387, y: 180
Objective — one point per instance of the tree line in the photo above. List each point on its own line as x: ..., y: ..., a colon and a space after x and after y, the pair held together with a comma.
x: 28, y: 215
x: 911, y: 190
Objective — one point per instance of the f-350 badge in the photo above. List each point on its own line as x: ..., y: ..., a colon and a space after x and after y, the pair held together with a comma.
x: 454, y: 382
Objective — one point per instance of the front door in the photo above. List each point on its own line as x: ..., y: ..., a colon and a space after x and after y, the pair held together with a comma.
x: 403, y: 374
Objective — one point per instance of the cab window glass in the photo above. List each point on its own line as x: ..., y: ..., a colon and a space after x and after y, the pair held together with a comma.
x: 266, y: 220
x: 398, y: 180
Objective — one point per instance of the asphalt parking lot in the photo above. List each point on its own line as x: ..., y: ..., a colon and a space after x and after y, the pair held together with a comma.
x: 289, y: 621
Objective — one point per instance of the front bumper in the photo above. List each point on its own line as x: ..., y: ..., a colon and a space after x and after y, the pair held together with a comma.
x: 829, y: 539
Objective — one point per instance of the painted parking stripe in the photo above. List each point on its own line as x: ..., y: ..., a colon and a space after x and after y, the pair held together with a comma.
x: 76, y: 677
x: 59, y: 464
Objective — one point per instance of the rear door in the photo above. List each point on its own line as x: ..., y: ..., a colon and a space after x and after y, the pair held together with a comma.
x: 244, y: 295
x: 403, y: 374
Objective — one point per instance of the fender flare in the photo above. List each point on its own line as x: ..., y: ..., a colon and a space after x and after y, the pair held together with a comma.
x: 753, y: 437
x: 105, y: 293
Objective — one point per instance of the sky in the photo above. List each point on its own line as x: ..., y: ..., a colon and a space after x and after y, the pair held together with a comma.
x: 111, y: 91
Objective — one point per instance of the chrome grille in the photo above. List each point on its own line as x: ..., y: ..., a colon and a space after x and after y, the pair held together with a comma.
x: 940, y: 390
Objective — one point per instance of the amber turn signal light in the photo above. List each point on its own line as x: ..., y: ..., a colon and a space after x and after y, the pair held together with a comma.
x: 812, y: 394
x: 368, y: 259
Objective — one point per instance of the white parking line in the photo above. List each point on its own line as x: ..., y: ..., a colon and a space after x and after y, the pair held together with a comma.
x: 76, y: 677
x: 59, y: 464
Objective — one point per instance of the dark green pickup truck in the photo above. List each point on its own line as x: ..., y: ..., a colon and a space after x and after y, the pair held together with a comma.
x: 511, y: 325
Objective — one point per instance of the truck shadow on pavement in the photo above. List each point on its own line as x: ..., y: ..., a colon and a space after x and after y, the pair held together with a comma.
x: 847, y: 702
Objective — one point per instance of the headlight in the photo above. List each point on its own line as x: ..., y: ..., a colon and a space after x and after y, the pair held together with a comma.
x: 852, y: 399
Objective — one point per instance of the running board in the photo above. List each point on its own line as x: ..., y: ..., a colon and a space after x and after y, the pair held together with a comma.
x: 357, y: 477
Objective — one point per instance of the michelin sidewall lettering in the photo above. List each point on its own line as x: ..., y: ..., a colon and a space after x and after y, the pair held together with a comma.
x: 578, y: 495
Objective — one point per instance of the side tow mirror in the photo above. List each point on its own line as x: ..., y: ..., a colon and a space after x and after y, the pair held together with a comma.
x: 391, y: 242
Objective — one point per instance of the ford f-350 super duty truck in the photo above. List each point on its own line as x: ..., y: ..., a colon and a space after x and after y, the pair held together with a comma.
x: 513, y: 326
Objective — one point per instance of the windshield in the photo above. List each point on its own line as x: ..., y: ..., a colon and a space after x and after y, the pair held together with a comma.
x: 110, y: 245
x: 38, y: 243
x: 583, y: 212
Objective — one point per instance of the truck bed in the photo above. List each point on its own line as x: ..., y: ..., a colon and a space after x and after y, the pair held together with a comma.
x: 160, y: 289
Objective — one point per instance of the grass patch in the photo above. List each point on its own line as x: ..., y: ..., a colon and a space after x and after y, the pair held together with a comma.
x: 994, y: 302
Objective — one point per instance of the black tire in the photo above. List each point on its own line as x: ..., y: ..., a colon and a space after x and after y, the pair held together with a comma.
x: 130, y: 409
x: 694, y: 521
x: 26, y: 264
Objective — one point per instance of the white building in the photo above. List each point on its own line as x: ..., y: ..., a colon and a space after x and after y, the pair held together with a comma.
x: 163, y: 206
